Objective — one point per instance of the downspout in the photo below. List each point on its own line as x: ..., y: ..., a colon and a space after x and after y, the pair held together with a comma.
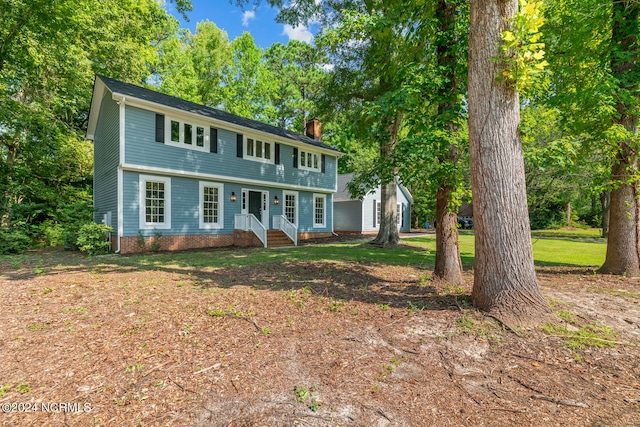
x: 121, y: 122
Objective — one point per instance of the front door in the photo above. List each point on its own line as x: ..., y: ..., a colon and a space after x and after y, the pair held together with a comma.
x: 255, y: 204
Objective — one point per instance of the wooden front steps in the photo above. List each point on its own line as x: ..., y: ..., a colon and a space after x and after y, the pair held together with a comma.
x: 277, y: 239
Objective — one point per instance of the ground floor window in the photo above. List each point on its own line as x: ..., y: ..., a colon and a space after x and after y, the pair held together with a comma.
x: 291, y: 206
x: 319, y: 210
x: 211, y: 205
x: 378, y: 215
x: 155, y: 202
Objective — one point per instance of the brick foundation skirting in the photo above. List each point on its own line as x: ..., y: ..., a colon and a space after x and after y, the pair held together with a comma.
x: 129, y: 244
x: 314, y: 235
x: 240, y: 238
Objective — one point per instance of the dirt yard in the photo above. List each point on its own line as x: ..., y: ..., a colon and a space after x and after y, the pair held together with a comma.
x: 101, y: 343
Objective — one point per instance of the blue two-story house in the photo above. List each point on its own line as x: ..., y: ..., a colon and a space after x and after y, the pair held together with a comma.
x: 199, y: 177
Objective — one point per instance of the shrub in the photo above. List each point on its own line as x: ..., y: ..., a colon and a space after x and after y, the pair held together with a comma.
x: 141, y: 242
x: 13, y: 240
x: 92, y: 238
x: 156, y: 245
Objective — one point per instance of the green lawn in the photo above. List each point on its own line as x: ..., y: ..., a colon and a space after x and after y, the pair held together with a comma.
x: 570, y: 233
x: 418, y: 251
x: 546, y: 251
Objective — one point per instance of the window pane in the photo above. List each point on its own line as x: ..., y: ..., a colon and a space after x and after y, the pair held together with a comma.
x: 303, y: 158
x: 175, y: 131
x: 210, y: 205
x: 319, y: 211
x: 249, y: 147
x: 154, y: 202
x: 309, y: 160
x: 187, y: 134
x: 315, y: 161
x: 199, y: 136
x: 290, y: 207
x: 258, y: 148
x: 267, y: 150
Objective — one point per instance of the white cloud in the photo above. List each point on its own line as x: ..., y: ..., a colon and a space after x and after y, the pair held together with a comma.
x: 300, y: 33
x: 246, y: 16
x: 328, y: 67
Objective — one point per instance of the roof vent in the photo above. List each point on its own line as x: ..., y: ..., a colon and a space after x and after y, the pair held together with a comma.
x: 313, y: 129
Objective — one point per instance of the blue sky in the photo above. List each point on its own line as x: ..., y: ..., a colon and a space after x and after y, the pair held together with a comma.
x: 231, y: 18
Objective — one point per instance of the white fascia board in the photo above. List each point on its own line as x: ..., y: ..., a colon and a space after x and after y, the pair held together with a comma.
x: 222, y: 178
x: 221, y: 124
x: 94, y: 111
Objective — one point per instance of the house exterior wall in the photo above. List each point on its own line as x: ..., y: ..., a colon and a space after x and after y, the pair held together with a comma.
x: 142, y: 150
x: 126, y: 154
x: 106, y: 159
x: 348, y: 216
x: 369, y: 210
x: 185, y: 213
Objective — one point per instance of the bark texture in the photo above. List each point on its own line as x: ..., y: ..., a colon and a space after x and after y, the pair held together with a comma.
x: 623, y: 239
x: 505, y: 283
x: 388, y: 231
x: 448, y: 263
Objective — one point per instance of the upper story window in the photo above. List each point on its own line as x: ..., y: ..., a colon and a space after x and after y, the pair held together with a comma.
x: 309, y: 160
x: 258, y: 150
x: 186, y: 134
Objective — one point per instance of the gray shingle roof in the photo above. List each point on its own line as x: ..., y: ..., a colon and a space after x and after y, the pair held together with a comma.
x: 134, y: 91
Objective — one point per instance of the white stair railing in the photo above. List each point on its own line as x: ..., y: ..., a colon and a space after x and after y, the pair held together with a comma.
x: 248, y: 222
x: 280, y: 222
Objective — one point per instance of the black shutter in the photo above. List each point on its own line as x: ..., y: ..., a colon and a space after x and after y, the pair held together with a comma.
x: 160, y: 128
x: 213, y: 140
x: 295, y: 158
x: 239, y: 142
x: 323, y: 159
x: 277, y: 155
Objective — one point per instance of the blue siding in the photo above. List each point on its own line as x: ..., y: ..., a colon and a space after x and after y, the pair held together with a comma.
x: 106, y: 155
x: 141, y: 149
x: 184, y: 207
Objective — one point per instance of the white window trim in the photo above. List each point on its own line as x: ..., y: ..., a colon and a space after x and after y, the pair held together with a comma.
x: 142, y: 195
x: 211, y: 225
x: 194, y: 126
x: 272, y: 150
x: 304, y: 152
x: 399, y: 214
x: 324, y: 210
x: 378, y: 212
x: 296, y: 206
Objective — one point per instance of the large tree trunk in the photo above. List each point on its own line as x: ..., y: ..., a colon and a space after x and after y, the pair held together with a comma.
x: 623, y: 242
x: 448, y: 264
x: 505, y: 282
x: 388, y: 231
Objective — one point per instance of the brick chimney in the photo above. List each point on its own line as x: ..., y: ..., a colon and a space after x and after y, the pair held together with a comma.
x: 313, y: 129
